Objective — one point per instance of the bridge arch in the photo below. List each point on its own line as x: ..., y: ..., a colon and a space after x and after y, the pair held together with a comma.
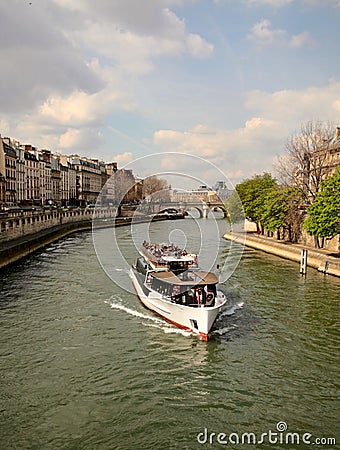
x: 202, y: 207
x: 197, y: 208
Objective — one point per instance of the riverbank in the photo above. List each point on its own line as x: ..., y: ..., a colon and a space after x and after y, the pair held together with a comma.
x: 319, y: 259
x: 15, y: 249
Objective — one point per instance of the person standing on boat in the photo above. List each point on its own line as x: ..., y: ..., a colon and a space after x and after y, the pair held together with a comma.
x: 199, y: 295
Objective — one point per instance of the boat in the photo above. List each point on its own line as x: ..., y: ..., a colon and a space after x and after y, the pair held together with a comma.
x: 169, y: 282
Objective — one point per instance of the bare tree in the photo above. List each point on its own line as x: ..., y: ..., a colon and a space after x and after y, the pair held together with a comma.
x: 306, y: 163
x: 157, y: 188
x: 120, y: 187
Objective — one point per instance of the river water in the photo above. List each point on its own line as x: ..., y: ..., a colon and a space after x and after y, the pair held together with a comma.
x: 85, y: 366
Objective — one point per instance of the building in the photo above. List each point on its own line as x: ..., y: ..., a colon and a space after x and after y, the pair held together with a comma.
x: 10, y: 172
x: 333, y: 155
x: 20, y: 174
x: 88, y: 179
x: 29, y: 176
x: 205, y: 194
x: 55, y: 179
x: 222, y: 191
x: 45, y: 158
x: 32, y: 175
x: 2, y: 174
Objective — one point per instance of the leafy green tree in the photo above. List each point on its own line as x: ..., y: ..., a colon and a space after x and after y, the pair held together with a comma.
x: 281, y: 211
x: 275, y: 209
x: 324, y: 213
x: 234, y: 208
x: 252, y: 193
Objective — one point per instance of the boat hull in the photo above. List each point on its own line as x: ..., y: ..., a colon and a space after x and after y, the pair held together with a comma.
x: 198, y: 320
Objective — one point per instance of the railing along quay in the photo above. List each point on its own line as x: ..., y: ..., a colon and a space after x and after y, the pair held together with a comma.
x: 15, y: 224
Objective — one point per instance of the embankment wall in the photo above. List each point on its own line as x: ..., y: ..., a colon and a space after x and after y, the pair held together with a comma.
x: 318, y: 259
x: 22, y: 235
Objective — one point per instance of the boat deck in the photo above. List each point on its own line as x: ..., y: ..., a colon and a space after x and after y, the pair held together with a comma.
x: 160, y: 255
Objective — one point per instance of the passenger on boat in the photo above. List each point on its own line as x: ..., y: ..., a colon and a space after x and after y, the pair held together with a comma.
x: 209, y: 296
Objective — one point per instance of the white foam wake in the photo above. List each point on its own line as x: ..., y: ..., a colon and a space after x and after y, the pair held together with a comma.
x: 132, y: 312
x: 232, y: 309
x: 224, y: 330
x: 156, y: 322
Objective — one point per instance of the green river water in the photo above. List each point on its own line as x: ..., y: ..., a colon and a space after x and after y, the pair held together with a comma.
x: 85, y: 366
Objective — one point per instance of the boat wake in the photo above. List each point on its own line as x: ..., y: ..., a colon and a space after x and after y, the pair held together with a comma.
x: 224, y: 330
x: 151, y: 321
x: 148, y: 320
x: 230, y: 311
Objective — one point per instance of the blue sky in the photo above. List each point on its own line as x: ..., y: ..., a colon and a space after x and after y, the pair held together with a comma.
x: 225, y: 80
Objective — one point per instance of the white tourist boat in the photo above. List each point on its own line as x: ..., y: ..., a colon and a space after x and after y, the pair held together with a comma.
x: 169, y: 282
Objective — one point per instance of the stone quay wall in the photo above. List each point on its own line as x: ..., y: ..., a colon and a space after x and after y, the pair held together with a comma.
x: 319, y: 259
x: 22, y: 233
x: 18, y: 224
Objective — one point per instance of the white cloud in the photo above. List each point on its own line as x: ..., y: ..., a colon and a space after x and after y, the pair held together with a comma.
x: 274, y: 3
x: 79, y: 140
x: 198, y: 47
x: 238, y: 152
x: 36, y: 58
x: 254, y: 147
x: 123, y: 158
x: 81, y: 108
x: 263, y: 34
x: 303, y: 39
x: 68, y: 65
x: 131, y: 35
x: 324, y: 3
x: 293, y: 107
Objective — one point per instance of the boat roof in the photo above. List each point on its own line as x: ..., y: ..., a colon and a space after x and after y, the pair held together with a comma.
x: 178, y: 258
x: 200, y: 278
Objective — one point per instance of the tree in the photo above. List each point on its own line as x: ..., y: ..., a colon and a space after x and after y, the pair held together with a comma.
x: 120, y: 187
x: 156, y: 188
x: 307, y: 161
x: 235, y: 212
x: 324, y: 213
x: 252, y: 193
x: 281, y: 210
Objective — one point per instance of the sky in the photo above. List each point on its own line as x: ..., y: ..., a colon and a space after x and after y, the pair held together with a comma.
x: 226, y: 81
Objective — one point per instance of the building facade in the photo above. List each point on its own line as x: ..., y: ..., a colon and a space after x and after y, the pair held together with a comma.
x: 10, y: 172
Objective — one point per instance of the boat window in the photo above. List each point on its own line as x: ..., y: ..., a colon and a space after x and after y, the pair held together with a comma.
x: 178, y: 266
x: 211, y: 288
x: 141, y: 265
x: 160, y: 286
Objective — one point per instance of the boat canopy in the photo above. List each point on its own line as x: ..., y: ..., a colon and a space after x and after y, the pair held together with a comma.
x: 187, y: 258
x: 198, y: 278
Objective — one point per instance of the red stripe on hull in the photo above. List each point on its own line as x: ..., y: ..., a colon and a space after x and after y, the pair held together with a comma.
x: 204, y: 337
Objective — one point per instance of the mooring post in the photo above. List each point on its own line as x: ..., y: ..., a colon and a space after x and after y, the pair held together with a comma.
x: 303, y: 263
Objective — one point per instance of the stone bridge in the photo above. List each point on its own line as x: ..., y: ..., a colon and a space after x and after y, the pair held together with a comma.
x: 202, y: 207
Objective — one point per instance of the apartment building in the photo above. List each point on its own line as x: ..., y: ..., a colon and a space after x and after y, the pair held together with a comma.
x: 88, y: 179
x: 20, y: 173
x: 55, y: 179
x: 30, y: 176
x: 9, y: 172
x: 45, y: 166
